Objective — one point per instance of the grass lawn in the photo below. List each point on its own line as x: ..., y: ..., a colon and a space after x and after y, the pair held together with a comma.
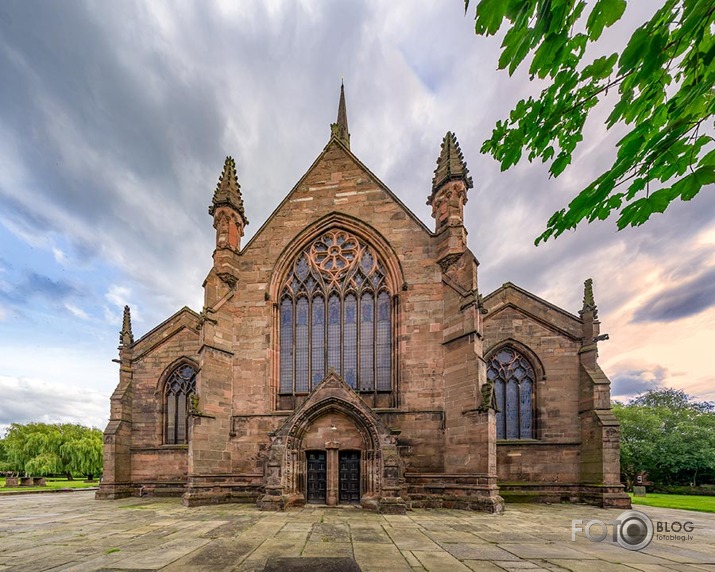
x: 51, y: 484
x: 687, y: 502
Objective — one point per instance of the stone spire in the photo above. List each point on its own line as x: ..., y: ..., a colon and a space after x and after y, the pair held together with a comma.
x: 590, y: 326
x: 450, y: 165
x: 339, y: 129
x: 589, y: 304
x: 449, y: 195
x: 228, y: 191
x: 126, y: 338
x: 229, y: 222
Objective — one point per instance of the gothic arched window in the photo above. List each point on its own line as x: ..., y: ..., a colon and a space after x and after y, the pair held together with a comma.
x: 180, y: 386
x: 513, y: 378
x: 336, y: 313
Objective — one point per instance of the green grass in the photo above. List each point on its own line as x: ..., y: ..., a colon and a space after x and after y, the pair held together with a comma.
x: 686, y: 502
x: 51, y: 484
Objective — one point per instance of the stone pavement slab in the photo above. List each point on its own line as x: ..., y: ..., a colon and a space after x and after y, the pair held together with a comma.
x: 75, y: 533
x: 311, y: 565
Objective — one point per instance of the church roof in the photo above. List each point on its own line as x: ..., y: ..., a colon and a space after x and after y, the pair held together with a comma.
x: 228, y: 191
x: 450, y: 164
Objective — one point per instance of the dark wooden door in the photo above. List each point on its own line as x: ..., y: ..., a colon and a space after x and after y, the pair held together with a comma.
x: 316, y: 477
x: 349, y: 484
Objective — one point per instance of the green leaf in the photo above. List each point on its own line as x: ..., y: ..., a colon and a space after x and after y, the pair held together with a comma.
x: 490, y: 14
x: 600, y: 68
x: 558, y: 166
x: 691, y: 185
x: 708, y: 160
x: 632, y: 53
x: 605, y: 13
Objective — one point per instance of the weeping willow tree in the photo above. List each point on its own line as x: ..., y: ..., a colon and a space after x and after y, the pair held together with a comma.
x: 41, y: 449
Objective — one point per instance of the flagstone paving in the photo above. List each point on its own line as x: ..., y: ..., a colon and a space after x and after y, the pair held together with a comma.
x: 73, y: 532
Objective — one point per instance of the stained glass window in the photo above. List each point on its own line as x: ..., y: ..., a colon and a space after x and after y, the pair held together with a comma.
x: 336, y: 313
x: 383, y: 341
x: 367, y: 358
x: 301, y: 345
x: 287, y: 345
x: 317, y: 359
x: 334, y: 332
x: 179, y: 387
x: 350, y: 340
x: 513, y: 378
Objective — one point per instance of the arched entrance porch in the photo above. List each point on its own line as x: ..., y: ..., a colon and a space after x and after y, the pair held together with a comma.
x: 335, y: 432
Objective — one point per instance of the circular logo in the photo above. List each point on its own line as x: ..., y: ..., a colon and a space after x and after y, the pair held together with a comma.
x: 635, y: 531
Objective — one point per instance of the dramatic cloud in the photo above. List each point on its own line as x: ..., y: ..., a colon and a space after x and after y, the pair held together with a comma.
x: 680, y: 301
x: 627, y: 384
x: 35, y: 285
x: 115, y: 120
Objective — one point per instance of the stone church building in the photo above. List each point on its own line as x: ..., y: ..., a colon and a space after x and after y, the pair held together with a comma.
x: 345, y: 355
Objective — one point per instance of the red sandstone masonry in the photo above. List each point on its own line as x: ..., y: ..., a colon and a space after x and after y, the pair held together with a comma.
x: 443, y: 440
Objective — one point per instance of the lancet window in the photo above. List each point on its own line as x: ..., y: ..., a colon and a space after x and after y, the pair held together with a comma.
x: 513, y: 378
x: 336, y: 313
x: 179, y: 388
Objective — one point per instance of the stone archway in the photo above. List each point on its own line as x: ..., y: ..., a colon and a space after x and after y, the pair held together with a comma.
x: 331, y: 413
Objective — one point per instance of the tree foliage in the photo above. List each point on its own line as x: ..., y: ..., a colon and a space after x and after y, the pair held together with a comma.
x: 664, y: 78
x: 4, y: 465
x: 43, y: 449
x: 669, y: 436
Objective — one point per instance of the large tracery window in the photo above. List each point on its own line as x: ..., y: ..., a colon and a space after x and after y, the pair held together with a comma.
x: 513, y: 378
x: 180, y: 386
x: 336, y: 313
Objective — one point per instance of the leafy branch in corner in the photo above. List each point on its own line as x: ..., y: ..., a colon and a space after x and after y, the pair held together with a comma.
x: 665, y: 80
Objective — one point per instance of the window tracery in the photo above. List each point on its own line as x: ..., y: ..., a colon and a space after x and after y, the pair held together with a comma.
x: 513, y: 378
x: 179, y: 388
x: 336, y: 313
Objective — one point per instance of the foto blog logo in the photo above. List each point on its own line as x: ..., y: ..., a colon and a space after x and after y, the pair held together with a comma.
x: 632, y: 530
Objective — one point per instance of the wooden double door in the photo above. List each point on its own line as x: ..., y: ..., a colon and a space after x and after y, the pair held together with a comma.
x: 318, y: 476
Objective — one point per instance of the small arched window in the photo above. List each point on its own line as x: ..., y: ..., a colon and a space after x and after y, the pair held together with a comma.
x: 180, y: 386
x: 513, y: 378
x: 336, y: 313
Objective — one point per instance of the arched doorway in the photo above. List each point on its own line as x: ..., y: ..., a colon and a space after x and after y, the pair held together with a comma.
x: 334, y: 449
x: 335, y: 436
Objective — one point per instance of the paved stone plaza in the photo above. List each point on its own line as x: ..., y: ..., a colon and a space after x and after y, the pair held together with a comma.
x: 74, y: 532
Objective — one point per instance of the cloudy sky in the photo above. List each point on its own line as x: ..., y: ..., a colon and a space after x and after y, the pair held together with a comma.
x: 115, y: 119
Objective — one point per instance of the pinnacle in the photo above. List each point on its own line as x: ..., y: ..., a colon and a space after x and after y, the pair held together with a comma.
x: 450, y: 164
x: 228, y: 191
x: 126, y: 327
x: 339, y: 129
x: 589, y: 303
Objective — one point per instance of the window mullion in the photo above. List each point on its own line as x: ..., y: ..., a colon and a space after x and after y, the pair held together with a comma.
x: 358, y: 318
x: 310, y: 343
x: 294, y: 328
x: 518, y: 408
x: 342, y: 334
x: 374, y: 342
x: 326, y: 329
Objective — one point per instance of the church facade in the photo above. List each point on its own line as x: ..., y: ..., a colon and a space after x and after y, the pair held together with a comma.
x: 344, y: 355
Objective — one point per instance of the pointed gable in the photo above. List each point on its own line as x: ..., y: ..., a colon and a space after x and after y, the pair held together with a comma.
x: 548, y: 315
x: 339, y: 178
